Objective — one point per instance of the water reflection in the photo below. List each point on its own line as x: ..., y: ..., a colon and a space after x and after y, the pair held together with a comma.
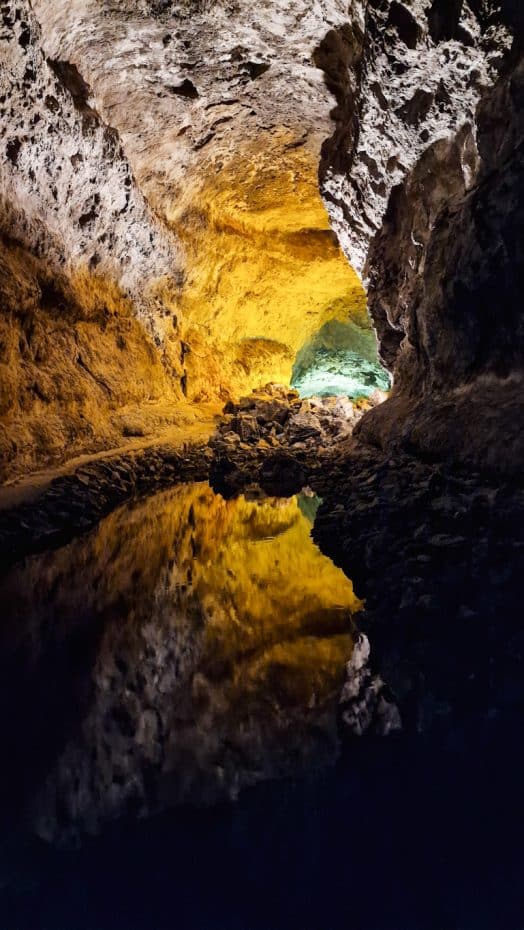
x: 188, y: 647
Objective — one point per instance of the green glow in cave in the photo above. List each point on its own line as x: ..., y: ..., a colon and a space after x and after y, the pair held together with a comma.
x: 341, y: 359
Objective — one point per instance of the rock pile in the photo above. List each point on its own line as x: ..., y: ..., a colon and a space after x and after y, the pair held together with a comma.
x: 276, y: 417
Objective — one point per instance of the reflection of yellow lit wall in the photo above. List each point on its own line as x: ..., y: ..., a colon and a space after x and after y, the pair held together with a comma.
x: 257, y: 573
x: 250, y: 566
x: 264, y: 270
x: 216, y: 629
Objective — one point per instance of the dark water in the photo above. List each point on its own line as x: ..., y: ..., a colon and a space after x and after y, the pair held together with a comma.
x: 187, y: 648
x: 169, y: 688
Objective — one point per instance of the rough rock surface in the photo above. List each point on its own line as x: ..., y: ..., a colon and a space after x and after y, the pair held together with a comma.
x: 67, y: 188
x: 160, y: 162
x: 87, y: 274
x: 73, y: 504
x: 407, y: 77
x: 460, y: 367
x: 423, y: 181
x: 283, y: 439
x: 172, y: 181
x: 438, y: 556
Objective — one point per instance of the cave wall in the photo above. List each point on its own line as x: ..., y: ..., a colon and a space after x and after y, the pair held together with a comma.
x: 428, y: 142
x: 160, y: 163
x: 88, y: 277
x: 164, y: 240
x: 222, y: 113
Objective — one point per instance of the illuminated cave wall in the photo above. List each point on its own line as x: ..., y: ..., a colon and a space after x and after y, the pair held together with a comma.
x: 264, y: 270
x: 159, y: 163
x: 222, y: 113
x: 88, y: 276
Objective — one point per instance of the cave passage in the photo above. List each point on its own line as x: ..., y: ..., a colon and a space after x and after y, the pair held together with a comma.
x: 340, y: 360
x: 203, y: 652
x: 269, y: 295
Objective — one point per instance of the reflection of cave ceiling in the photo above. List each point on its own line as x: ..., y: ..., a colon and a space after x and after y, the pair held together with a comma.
x: 193, y: 611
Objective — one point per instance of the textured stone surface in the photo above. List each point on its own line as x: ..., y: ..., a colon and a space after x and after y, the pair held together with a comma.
x: 67, y: 187
x: 221, y: 116
x: 460, y: 369
x: 87, y: 275
x: 402, y: 87
x: 423, y: 181
x: 438, y: 556
x: 161, y: 161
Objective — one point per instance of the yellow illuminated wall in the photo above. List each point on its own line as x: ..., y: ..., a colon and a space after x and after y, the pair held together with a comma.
x: 264, y: 270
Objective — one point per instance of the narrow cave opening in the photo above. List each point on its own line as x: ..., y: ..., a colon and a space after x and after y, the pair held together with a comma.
x: 269, y: 295
x: 340, y: 359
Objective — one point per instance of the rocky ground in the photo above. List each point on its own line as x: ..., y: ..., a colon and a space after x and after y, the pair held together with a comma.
x: 72, y: 504
x: 272, y: 430
x: 275, y: 436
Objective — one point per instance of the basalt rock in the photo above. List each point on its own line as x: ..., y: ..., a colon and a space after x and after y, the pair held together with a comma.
x: 138, y: 188
x: 438, y: 556
x: 275, y: 437
x: 423, y: 181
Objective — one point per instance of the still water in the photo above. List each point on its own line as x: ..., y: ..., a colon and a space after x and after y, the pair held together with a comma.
x: 188, y: 647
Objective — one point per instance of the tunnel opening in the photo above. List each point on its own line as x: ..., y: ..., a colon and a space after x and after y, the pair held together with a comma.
x: 269, y: 296
x: 340, y: 359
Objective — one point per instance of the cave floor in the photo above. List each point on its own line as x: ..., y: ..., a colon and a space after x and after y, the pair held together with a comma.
x: 194, y: 426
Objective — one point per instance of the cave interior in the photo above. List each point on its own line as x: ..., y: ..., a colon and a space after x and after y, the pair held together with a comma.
x: 261, y: 464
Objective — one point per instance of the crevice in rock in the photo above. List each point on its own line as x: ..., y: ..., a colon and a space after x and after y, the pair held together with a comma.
x: 405, y: 23
x: 185, y: 89
x: 444, y: 20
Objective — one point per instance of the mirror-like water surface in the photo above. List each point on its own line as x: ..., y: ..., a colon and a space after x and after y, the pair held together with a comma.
x: 188, y: 647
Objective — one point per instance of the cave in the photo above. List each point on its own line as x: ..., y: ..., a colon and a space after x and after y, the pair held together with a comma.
x: 261, y: 464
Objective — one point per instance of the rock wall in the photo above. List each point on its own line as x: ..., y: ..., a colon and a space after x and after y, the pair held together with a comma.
x: 160, y: 160
x: 222, y: 113
x: 423, y: 182
x: 88, y: 276
x: 163, y: 236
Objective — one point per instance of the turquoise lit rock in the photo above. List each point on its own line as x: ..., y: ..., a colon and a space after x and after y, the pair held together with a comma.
x: 341, y: 359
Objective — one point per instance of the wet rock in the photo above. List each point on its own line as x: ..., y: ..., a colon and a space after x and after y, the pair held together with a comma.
x: 438, y: 558
x: 363, y: 703
x: 246, y: 427
x: 303, y: 425
x: 75, y: 503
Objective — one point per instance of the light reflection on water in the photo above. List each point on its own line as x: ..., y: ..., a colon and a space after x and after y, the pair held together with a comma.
x: 188, y: 647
